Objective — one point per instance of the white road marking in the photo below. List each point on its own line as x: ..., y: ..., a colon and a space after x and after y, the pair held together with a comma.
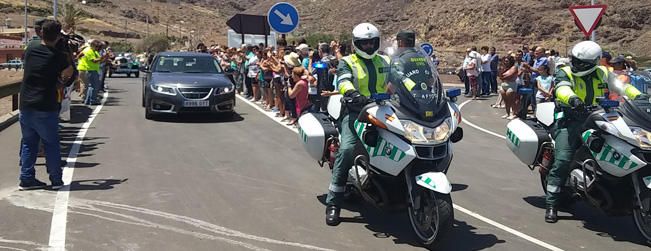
x: 148, y: 218
x: 58, y: 227
x: 457, y: 207
x: 476, y: 126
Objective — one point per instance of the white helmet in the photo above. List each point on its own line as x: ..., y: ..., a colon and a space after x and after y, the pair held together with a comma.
x: 366, y: 32
x: 585, y: 57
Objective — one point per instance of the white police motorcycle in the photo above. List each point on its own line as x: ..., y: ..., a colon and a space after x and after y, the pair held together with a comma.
x: 611, y: 170
x: 405, y: 152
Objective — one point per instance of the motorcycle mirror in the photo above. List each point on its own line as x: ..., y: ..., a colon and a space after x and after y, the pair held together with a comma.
x: 595, y: 144
x: 370, y: 137
x: 457, y: 135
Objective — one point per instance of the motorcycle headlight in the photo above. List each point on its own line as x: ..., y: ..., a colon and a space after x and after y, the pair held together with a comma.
x: 643, y: 137
x: 424, y: 135
x: 163, y: 89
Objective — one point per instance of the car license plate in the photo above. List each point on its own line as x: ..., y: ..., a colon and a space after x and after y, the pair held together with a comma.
x: 196, y: 103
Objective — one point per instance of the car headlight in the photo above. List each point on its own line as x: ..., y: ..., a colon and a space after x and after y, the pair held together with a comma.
x: 225, y: 90
x: 424, y: 135
x: 163, y: 89
x: 643, y: 137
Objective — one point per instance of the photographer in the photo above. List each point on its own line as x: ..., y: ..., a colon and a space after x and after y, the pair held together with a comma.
x: 46, y: 67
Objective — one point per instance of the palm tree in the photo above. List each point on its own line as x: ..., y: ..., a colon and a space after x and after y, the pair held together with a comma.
x: 71, y: 16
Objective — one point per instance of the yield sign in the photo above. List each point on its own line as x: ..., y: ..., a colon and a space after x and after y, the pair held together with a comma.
x: 587, y: 16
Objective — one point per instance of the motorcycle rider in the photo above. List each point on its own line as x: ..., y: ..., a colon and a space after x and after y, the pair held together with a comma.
x: 358, y: 76
x: 577, y: 86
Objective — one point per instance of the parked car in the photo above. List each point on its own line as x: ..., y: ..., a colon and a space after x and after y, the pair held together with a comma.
x: 125, y: 64
x: 12, y: 64
x: 185, y: 82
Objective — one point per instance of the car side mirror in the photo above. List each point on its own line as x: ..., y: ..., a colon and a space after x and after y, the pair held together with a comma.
x: 144, y: 68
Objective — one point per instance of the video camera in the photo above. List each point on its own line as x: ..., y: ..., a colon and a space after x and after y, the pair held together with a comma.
x: 70, y: 42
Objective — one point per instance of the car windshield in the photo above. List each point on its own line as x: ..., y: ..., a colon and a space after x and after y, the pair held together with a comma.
x: 187, y: 64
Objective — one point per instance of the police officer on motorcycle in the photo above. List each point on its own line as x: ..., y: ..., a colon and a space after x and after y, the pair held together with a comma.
x: 359, y: 75
x: 577, y: 86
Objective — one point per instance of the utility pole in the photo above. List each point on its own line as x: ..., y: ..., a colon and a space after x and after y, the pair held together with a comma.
x: 147, y: 24
x: 26, y: 34
x: 593, y: 36
x: 55, y: 8
x: 125, y: 30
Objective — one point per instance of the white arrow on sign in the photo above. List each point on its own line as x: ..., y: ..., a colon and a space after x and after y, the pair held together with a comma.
x: 287, y: 19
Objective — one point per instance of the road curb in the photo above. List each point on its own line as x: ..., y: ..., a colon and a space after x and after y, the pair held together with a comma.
x: 8, y: 119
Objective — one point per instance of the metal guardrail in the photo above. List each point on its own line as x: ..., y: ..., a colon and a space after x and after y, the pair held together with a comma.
x: 11, y: 90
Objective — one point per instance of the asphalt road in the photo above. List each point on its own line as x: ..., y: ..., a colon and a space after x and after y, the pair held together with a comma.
x: 210, y: 183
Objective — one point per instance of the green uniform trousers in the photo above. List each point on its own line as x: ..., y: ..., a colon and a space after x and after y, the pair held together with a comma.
x: 567, y: 135
x: 344, y: 160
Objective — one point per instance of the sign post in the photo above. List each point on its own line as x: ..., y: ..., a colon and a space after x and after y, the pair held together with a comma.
x: 587, y: 17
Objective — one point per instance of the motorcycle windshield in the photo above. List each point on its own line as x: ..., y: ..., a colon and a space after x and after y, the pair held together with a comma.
x: 637, y: 112
x: 415, y: 85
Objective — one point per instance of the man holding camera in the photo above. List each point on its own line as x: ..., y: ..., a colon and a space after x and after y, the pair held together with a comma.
x: 45, y: 68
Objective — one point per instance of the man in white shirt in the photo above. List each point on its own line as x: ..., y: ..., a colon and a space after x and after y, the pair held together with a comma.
x: 485, y: 70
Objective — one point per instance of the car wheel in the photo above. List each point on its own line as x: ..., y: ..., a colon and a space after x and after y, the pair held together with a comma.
x: 148, y: 112
x: 128, y: 75
x: 137, y: 74
x: 110, y: 74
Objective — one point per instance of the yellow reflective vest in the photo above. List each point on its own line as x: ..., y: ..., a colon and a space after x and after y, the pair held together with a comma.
x: 366, y: 76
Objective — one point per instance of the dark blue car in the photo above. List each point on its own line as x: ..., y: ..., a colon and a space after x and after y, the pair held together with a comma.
x: 184, y: 82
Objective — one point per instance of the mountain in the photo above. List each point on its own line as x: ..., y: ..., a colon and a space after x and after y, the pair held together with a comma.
x: 451, y: 25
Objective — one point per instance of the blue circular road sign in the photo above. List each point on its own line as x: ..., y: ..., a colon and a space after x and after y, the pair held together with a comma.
x: 428, y: 48
x: 283, y: 17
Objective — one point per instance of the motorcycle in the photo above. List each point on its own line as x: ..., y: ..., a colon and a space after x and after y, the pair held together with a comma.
x: 405, y: 151
x: 610, y: 170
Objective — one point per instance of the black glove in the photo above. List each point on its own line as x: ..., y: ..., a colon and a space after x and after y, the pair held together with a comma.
x: 576, y: 103
x: 355, y: 100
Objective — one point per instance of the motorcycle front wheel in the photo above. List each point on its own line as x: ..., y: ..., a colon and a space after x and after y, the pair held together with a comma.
x: 431, y: 216
x: 642, y: 215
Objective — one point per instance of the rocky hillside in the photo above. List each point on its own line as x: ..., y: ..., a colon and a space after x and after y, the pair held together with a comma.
x: 450, y: 25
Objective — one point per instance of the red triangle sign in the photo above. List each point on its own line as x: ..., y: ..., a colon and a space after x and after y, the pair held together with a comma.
x: 587, y: 16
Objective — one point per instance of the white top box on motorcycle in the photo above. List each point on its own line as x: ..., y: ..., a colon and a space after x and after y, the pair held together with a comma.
x: 525, y: 138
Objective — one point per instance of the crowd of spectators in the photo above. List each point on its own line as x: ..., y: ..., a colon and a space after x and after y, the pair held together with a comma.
x: 525, y: 77
x: 287, y: 79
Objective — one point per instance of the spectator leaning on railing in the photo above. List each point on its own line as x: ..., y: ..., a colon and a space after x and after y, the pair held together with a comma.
x: 39, y: 108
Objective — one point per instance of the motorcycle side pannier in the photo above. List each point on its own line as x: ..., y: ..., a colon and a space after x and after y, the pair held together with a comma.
x: 525, y: 139
x: 314, y: 130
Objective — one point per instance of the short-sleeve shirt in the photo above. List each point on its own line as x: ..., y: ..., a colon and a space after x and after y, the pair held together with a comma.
x: 43, y: 65
x: 86, y: 61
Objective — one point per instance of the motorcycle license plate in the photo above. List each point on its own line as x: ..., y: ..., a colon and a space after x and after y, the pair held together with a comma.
x: 196, y: 103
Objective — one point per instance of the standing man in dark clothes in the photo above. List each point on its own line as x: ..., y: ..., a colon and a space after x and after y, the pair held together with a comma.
x: 45, y: 65
x: 495, y: 61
